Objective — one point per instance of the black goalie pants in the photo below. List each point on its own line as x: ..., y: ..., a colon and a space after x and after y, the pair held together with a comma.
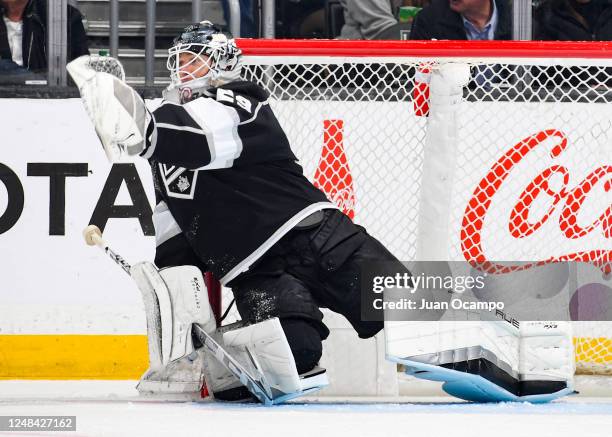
x: 310, y: 268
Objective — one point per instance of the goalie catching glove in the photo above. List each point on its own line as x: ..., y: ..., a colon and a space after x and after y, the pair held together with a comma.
x: 117, y: 112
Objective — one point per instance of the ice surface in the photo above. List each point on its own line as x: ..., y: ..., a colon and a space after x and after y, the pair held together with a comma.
x: 113, y: 408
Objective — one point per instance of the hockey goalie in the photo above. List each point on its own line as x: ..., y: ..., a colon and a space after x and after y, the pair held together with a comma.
x: 232, y: 200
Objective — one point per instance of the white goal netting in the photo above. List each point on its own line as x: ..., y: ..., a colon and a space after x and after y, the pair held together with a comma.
x: 523, y: 158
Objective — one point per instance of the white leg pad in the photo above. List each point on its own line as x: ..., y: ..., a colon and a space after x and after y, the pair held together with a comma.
x: 534, y: 351
x: 267, y: 343
x: 184, y: 375
x: 156, y: 299
x: 546, y: 351
x: 174, y: 299
x: 189, y: 300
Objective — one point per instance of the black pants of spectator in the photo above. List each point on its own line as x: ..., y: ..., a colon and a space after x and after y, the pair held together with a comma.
x: 309, y: 268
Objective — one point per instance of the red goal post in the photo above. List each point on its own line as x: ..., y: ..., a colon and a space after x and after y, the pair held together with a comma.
x: 355, y: 114
x: 425, y: 49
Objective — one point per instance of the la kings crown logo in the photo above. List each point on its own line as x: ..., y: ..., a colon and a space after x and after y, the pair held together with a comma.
x: 179, y: 181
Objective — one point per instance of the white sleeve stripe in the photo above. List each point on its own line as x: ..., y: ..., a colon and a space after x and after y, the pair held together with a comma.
x: 227, y: 144
x: 259, y: 106
x: 153, y: 141
x: 181, y: 128
x: 220, y: 124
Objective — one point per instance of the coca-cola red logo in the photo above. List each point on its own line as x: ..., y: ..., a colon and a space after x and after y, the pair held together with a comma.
x: 333, y: 175
x: 560, y: 196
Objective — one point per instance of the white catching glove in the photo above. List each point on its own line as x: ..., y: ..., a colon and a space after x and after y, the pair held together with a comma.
x: 117, y: 111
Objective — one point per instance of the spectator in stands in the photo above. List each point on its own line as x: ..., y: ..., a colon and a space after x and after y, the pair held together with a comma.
x: 365, y: 19
x: 573, y: 20
x: 23, y: 35
x: 464, y: 19
x: 300, y: 19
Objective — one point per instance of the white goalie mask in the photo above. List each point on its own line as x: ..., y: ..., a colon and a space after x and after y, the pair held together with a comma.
x: 201, y: 57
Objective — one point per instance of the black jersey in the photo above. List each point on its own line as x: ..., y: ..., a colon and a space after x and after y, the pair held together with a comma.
x: 226, y: 178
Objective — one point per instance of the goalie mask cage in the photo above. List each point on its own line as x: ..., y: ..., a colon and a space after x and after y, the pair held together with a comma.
x: 459, y: 150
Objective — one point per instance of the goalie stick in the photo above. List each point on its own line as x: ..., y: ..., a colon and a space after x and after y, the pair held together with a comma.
x: 257, y: 386
x: 93, y: 237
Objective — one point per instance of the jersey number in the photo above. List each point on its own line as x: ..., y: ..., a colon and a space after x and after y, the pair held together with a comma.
x: 224, y: 95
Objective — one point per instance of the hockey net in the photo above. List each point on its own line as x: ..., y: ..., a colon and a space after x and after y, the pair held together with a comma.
x: 531, y: 150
